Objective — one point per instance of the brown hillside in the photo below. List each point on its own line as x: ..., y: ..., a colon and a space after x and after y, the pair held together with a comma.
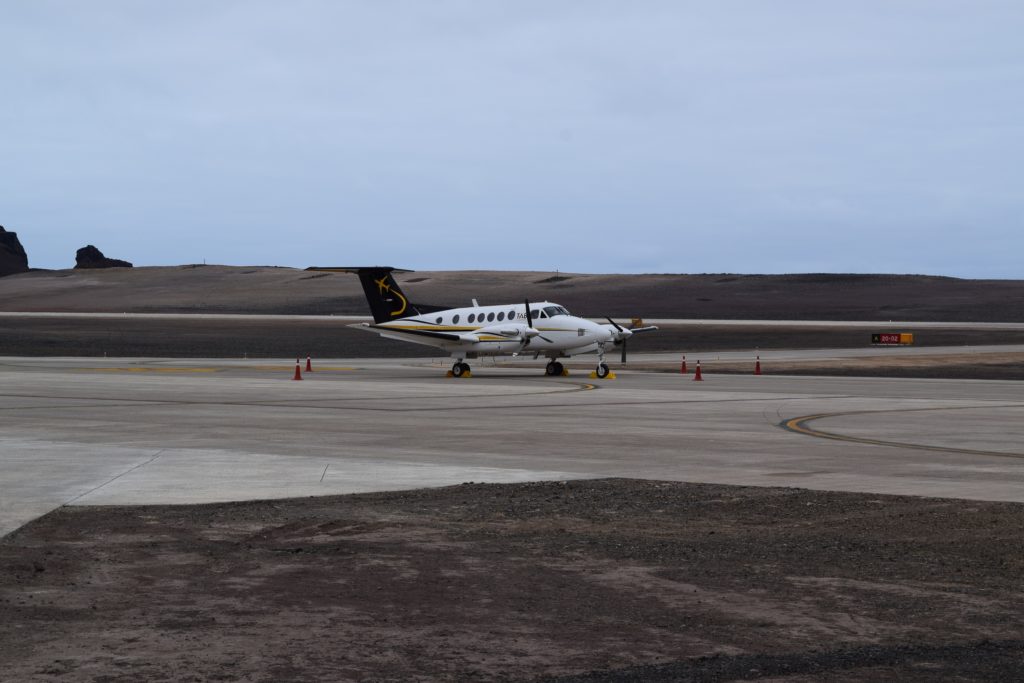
x: 233, y: 289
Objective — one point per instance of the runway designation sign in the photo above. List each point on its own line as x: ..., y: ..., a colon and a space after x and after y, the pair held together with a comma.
x: 892, y: 338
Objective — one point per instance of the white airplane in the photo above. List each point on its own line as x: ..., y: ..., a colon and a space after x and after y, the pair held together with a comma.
x: 542, y: 328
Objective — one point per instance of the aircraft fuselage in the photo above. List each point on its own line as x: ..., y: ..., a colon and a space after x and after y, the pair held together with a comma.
x: 501, y: 330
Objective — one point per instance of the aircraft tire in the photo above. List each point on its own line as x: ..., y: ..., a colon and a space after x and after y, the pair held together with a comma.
x: 559, y: 369
x: 551, y: 369
x: 459, y: 369
x: 603, y: 370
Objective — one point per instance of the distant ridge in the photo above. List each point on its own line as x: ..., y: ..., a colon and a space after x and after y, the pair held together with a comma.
x: 276, y: 290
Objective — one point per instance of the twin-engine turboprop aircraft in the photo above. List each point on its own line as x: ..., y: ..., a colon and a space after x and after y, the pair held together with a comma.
x: 541, y: 328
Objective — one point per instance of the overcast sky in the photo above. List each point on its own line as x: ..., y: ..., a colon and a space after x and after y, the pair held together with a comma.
x: 716, y: 136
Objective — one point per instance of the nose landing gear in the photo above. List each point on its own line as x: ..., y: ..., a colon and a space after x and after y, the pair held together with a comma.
x: 602, y: 371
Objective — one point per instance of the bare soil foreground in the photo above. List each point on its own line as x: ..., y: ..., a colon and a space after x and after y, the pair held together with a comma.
x: 608, y: 580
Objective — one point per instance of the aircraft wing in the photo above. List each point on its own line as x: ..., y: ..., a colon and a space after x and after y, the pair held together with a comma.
x: 446, y: 339
x: 427, y: 337
x: 446, y: 336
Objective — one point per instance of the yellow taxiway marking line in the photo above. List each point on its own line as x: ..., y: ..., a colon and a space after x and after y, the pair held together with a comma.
x: 278, y: 368
x: 147, y: 369
x: 269, y: 368
x: 799, y: 425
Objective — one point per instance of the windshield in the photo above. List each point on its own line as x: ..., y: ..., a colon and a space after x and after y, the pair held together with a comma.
x: 552, y: 311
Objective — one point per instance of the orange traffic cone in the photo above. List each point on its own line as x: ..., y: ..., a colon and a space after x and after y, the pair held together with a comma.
x: 298, y: 374
x: 696, y: 375
x: 309, y: 364
x: 757, y: 366
x: 682, y: 369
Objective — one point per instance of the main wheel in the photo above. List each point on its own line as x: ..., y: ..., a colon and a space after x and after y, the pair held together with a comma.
x: 459, y: 369
x: 603, y: 370
x: 559, y: 369
x: 552, y: 369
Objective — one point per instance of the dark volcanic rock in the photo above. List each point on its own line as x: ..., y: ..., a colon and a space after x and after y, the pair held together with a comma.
x: 13, y: 258
x: 91, y: 257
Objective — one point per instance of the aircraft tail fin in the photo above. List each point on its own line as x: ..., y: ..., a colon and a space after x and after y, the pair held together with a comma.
x: 387, y: 300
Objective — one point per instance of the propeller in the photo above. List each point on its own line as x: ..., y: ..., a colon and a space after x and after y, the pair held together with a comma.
x: 531, y: 331
x: 623, y: 335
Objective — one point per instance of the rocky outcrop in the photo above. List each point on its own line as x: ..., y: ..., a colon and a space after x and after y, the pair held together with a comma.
x: 13, y: 258
x: 91, y: 257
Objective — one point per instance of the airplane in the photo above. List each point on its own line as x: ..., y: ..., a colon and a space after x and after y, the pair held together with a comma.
x: 542, y: 328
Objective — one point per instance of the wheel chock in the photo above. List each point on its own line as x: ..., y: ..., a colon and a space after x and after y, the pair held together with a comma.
x: 449, y: 374
x: 467, y: 374
x: 611, y: 375
x: 593, y: 375
x: 565, y: 372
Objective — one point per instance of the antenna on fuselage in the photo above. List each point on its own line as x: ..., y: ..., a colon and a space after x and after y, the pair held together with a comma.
x: 475, y: 304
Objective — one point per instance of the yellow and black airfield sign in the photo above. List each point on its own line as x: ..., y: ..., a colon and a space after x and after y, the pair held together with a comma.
x: 892, y: 338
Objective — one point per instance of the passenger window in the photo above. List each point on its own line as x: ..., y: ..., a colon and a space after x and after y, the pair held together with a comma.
x: 455, y: 320
x: 501, y: 316
x: 472, y: 317
x: 490, y: 317
x: 511, y: 315
x: 438, y: 321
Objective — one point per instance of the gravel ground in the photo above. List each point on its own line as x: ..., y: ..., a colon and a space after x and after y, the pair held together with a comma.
x: 608, y: 580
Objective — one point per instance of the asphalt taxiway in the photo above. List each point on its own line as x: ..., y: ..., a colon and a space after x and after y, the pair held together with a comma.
x: 135, y: 431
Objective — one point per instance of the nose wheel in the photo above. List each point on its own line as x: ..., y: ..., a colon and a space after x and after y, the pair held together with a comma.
x: 602, y: 371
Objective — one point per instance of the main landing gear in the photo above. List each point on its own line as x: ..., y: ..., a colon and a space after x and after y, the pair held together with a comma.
x: 554, y: 369
x: 461, y: 369
x: 603, y: 370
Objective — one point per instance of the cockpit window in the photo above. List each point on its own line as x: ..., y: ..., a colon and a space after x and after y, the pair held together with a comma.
x: 552, y: 311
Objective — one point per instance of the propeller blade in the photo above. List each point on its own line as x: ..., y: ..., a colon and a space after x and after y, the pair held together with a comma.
x: 623, y: 351
x: 529, y: 323
x: 617, y: 326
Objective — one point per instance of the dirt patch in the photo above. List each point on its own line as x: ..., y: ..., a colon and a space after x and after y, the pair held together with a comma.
x: 608, y: 580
